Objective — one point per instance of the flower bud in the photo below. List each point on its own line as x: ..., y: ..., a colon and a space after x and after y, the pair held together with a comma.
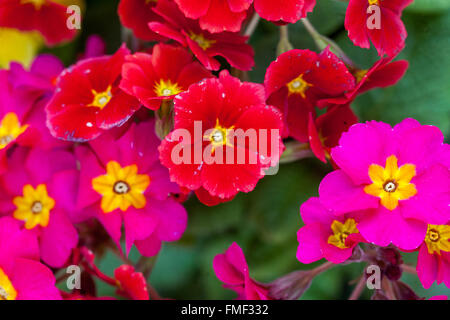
x: 291, y: 286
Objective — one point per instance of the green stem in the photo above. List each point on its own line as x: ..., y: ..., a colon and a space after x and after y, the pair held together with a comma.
x: 359, y: 288
x: 252, y: 25
x: 322, y: 42
x: 295, y: 151
x: 284, y: 45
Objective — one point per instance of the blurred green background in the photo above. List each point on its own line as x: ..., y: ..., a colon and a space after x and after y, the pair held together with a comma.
x: 264, y: 223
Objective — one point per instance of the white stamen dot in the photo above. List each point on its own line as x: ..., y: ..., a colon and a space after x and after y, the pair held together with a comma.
x: 390, y: 187
x: 296, y: 84
x: 217, y: 136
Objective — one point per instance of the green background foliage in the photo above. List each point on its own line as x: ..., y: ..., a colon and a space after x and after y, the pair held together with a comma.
x: 264, y: 223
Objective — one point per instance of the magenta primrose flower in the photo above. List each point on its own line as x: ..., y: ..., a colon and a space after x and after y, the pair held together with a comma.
x: 23, y: 95
x: 326, y: 235
x: 36, y: 192
x: 121, y: 180
x: 231, y: 268
x: 22, y: 276
x: 433, y: 261
x: 394, y: 178
x: 34, y: 88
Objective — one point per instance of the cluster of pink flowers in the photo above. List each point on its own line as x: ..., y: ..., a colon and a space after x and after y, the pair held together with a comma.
x: 391, y: 188
x: 96, y: 146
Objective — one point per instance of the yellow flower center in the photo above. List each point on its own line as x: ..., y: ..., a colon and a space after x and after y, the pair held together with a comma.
x: 10, y: 129
x: 341, y: 231
x: 374, y: 2
x: 7, y: 291
x: 167, y: 88
x: 219, y: 136
x: 360, y: 74
x: 37, y: 3
x: 34, y: 207
x: 391, y: 183
x: 121, y: 187
x: 203, y: 42
x: 150, y: 1
x: 299, y: 86
x: 101, y: 99
x: 438, y: 238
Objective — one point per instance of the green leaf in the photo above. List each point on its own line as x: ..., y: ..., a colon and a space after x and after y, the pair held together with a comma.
x: 429, y: 6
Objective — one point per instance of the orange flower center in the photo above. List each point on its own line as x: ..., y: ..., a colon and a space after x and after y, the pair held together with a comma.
x: 218, y: 136
x: 203, y: 42
x: 101, y: 99
x: 438, y: 238
x: 37, y: 3
x: 360, y: 74
x: 341, y: 231
x: 167, y: 88
x: 34, y: 206
x: 299, y: 86
x: 121, y: 187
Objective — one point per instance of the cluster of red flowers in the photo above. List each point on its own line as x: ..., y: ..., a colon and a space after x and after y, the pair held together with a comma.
x: 125, y: 139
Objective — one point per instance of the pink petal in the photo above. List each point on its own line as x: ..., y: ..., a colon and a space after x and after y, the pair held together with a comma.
x: 335, y: 254
x: 16, y: 243
x: 309, y: 242
x: 230, y: 267
x: 338, y: 192
x: 431, y: 203
x: 427, y: 267
x: 172, y: 219
x: 382, y: 227
x: 34, y: 281
x: 149, y: 247
x: 313, y: 211
x: 139, y: 224
x: 57, y: 239
x: 90, y: 168
x: 362, y: 145
x: 418, y: 144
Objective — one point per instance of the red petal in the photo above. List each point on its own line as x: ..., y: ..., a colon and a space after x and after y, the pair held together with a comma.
x: 193, y: 9
x: 289, y: 10
x: 240, y: 56
x: 386, y: 75
x: 117, y: 111
x: 184, y: 174
x: 132, y: 283
x: 297, y: 117
x: 330, y: 74
x: 136, y: 14
x: 239, y: 5
x: 168, y: 61
x: 208, y: 61
x: 207, y: 199
x: 355, y: 23
x: 390, y: 38
x: 334, y: 122
x: 226, y: 180
x: 74, y: 123
x: 220, y: 18
x: 287, y: 67
x: 314, y: 140
x: 50, y: 19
